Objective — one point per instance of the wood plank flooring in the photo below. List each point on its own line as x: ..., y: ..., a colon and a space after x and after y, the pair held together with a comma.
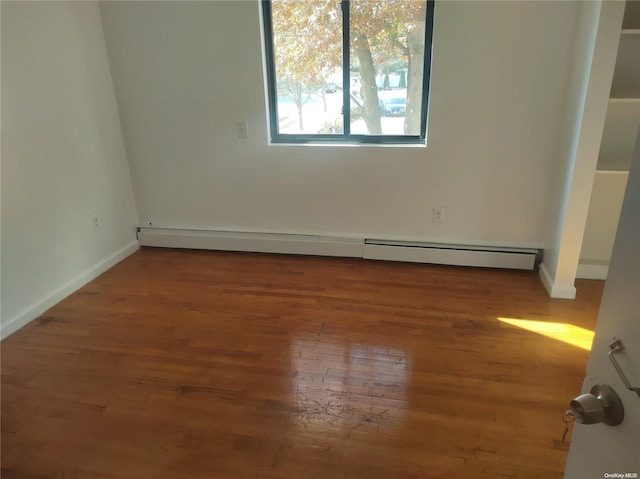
x: 193, y: 364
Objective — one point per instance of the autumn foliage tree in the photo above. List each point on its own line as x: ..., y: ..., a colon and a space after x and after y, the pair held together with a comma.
x: 308, y: 47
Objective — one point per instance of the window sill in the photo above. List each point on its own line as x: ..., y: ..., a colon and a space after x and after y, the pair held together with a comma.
x: 350, y: 144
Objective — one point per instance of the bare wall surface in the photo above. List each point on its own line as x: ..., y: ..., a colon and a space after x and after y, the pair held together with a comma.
x: 63, y: 157
x: 184, y: 72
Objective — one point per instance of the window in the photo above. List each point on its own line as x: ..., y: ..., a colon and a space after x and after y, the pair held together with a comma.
x: 354, y: 71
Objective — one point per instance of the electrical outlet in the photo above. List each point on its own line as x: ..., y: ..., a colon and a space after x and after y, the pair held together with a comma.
x: 242, y: 129
x: 438, y: 214
x: 97, y: 223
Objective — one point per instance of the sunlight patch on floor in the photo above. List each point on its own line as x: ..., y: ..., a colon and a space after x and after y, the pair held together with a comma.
x: 567, y: 333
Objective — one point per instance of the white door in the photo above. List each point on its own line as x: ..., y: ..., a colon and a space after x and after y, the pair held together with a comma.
x: 600, y: 451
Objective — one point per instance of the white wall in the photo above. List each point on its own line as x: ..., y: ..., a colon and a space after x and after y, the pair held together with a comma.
x: 185, y: 72
x: 63, y: 157
x: 586, y: 101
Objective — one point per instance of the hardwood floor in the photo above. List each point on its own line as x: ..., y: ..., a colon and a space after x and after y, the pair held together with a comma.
x: 187, y: 364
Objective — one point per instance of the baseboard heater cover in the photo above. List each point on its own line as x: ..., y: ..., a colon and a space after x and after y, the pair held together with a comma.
x: 376, y: 249
x: 251, y: 242
x: 450, y: 254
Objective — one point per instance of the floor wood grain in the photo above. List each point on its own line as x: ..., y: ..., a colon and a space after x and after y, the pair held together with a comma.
x: 193, y: 364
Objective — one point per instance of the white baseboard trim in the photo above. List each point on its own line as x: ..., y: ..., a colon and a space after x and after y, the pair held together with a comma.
x: 555, y: 290
x: 545, y: 277
x: 251, y: 242
x: 592, y: 271
x: 43, y: 304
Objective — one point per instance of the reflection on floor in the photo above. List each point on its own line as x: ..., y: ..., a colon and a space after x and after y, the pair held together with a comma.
x: 346, y: 385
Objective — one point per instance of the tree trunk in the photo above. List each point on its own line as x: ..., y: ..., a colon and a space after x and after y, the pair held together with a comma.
x: 299, y: 106
x: 415, y: 47
x: 369, y: 89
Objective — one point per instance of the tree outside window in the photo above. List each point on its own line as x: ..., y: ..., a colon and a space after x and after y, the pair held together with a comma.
x: 382, y: 87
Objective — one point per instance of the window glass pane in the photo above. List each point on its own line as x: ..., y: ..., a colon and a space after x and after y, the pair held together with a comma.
x: 387, y: 65
x: 307, y: 40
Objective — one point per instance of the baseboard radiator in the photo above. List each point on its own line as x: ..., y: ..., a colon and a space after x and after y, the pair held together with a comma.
x: 451, y: 254
x: 375, y: 249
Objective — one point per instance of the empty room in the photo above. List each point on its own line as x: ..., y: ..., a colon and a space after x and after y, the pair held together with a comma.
x: 320, y: 239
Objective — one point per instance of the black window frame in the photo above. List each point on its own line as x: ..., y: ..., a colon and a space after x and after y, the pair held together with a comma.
x: 346, y: 137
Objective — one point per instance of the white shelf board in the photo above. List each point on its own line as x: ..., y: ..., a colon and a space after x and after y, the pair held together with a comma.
x: 613, y: 165
x: 631, y: 31
x: 624, y: 100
